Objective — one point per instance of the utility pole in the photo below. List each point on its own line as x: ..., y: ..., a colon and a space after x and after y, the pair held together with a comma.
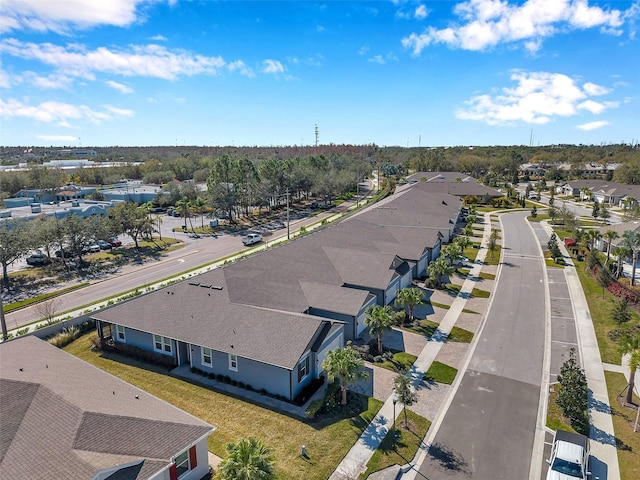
x: 288, y: 232
x: 317, y: 134
x: 3, y: 322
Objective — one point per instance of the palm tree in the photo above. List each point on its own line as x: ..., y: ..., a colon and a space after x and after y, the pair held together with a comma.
x: 438, y: 268
x: 452, y: 252
x: 345, y: 364
x: 247, y: 460
x: 619, y: 252
x: 609, y: 236
x: 631, y: 240
x: 592, y: 237
x: 379, y: 319
x: 198, y: 205
x: 631, y: 345
x: 410, y: 297
x: 182, y: 207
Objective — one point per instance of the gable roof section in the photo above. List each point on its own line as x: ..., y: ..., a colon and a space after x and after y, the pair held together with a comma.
x: 192, y: 312
x: 63, y: 418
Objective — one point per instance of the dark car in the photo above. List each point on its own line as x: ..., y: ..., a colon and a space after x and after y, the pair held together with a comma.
x: 63, y: 253
x: 38, y: 259
x: 104, y: 245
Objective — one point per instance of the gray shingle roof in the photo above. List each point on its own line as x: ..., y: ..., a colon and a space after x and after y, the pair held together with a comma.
x: 189, y: 312
x: 63, y: 418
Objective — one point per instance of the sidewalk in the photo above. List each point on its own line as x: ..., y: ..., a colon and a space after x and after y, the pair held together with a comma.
x: 603, y: 445
x: 355, y: 462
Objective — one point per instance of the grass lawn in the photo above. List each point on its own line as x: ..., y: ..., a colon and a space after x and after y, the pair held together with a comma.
x: 427, y: 328
x: 600, y: 309
x: 326, y: 441
x: 493, y: 258
x: 550, y: 262
x: 441, y: 373
x: 475, y: 293
x: 401, y: 362
x: 555, y: 420
x: 407, y: 443
x: 40, y: 298
x: 627, y: 441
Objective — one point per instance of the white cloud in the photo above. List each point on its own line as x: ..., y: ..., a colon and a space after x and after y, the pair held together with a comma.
x: 140, y: 60
x: 64, y: 16
x: 421, y: 12
x: 5, y: 79
x: 595, y: 90
x: 272, y: 66
x: 487, y: 23
x: 320, y: 28
x: 593, y: 125
x: 158, y: 38
x: 377, y: 59
x: 537, y: 98
x: 240, y: 66
x: 59, y: 113
x: 121, y: 87
x: 57, y: 138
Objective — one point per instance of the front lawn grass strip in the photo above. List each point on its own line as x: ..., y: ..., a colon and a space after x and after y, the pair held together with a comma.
x: 327, y: 441
x: 441, y: 373
x: 406, y: 444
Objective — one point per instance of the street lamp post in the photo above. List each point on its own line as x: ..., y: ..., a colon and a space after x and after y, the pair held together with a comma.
x: 395, y: 400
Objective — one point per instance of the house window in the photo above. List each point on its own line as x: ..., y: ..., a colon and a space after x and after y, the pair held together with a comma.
x: 182, y: 463
x: 303, y: 369
x: 120, y: 335
x: 233, y: 362
x: 162, y: 344
x: 206, y: 357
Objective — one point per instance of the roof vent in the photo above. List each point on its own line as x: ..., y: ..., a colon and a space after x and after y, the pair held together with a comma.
x: 195, y: 284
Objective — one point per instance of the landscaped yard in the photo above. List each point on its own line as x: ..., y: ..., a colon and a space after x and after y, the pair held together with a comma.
x: 441, y: 373
x: 401, y: 362
x: 326, y: 441
x: 627, y: 440
x: 407, y: 443
x: 428, y: 328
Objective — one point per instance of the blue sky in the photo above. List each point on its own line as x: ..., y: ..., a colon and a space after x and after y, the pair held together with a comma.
x: 407, y: 73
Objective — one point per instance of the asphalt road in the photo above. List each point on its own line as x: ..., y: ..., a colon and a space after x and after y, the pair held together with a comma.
x: 488, y: 431
x: 195, y: 253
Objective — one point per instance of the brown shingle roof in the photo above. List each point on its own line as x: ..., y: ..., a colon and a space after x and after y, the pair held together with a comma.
x: 63, y: 418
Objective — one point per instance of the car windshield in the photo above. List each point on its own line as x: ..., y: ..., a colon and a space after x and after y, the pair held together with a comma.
x: 568, y: 468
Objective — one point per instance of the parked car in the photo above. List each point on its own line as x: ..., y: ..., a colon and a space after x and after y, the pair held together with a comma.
x: 63, y: 253
x: 104, y: 245
x: 115, y: 242
x: 38, y: 259
x: 460, y: 261
x: 251, y: 239
x: 569, y: 457
x: 94, y: 248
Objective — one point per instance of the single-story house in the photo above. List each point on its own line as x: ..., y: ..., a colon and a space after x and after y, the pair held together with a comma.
x: 196, y: 323
x: 63, y: 418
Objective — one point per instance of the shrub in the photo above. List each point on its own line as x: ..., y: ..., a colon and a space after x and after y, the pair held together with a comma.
x: 65, y: 337
x: 313, y: 408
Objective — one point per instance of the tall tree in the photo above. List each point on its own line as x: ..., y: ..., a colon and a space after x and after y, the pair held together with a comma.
x: 631, y: 240
x: 572, y: 397
x: 247, y: 460
x: 132, y: 220
x: 346, y: 365
x: 609, y: 236
x: 14, y: 243
x: 410, y: 298
x: 630, y: 345
x: 619, y: 252
x: 379, y: 320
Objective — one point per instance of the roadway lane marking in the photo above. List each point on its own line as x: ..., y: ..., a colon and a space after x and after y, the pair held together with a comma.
x: 564, y: 343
